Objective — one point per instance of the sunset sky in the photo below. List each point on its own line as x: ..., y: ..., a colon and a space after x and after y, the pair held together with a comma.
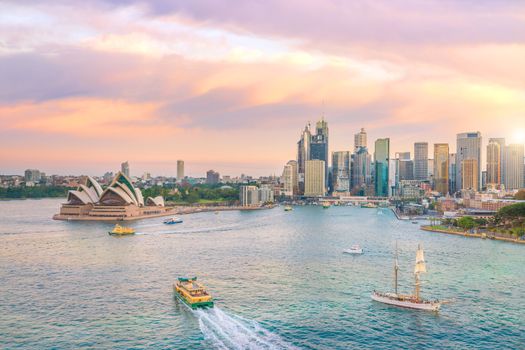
x: 228, y: 85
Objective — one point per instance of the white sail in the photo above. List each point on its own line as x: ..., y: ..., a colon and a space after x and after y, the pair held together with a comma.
x: 420, y: 261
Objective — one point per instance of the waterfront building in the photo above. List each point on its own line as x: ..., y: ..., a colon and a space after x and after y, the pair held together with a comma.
x: 360, y: 140
x: 493, y: 162
x: 441, y: 168
x: 289, y: 179
x: 315, y: 181
x: 341, y: 171
x: 120, y: 200
x: 124, y: 168
x: 249, y: 195
x: 212, y: 177
x: 252, y: 196
x: 361, y: 171
x: 266, y: 194
x: 452, y: 173
x: 32, y: 175
x: 421, y: 161
x: 319, y: 146
x: 514, y: 167
x: 381, y: 160
x: 468, y: 147
x: 180, y: 170
x: 303, y: 154
x: 470, y: 174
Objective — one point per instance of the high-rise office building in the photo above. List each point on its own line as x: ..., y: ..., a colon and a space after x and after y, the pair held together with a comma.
x: 441, y: 168
x: 124, y: 168
x: 470, y: 175
x: 212, y: 177
x: 360, y: 139
x: 452, y: 173
x: 381, y: 159
x: 341, y: 171
x: 361, y: 171
x: 421, y: 160
x: 501, y: 142
x: 180, y: 170
x: 289, y: 178
x: 314, y: 178
x: 405, y: 166
x: 319, y: 145
x: 514, y: 166
x: 303, y: 150
x: 493, y: 162
x: 468, y: 147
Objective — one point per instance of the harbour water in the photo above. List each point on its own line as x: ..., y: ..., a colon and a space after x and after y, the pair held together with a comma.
x: 279, y: 280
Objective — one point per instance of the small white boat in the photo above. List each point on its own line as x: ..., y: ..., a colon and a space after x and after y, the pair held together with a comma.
x: 172, y: 221
x: 355, y: 249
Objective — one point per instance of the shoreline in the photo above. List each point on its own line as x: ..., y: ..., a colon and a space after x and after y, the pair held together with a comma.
x: 175, y: 210
x: 471, y: 235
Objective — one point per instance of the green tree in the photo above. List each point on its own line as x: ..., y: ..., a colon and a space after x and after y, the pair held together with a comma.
x: 466, y: 223
x: 520, y: 195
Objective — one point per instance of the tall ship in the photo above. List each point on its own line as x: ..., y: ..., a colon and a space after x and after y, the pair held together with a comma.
x: 192, y: 293
x: 411, y: 301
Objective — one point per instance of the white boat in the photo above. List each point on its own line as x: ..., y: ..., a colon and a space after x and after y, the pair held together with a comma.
x: 411, y: 301
x: 355, y: 249
x: 172, y: 221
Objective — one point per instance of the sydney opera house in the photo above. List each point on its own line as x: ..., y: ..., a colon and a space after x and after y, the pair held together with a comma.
x: 120, y: 200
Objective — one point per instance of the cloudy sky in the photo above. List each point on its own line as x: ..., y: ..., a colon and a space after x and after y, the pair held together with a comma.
x: 228, y: 85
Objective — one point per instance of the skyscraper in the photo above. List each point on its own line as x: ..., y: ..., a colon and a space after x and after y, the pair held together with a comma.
x: 360, y: 139
x: 514, y: 166
x: 180, y: 170
x: 314, y: 178
x: 303, y: 154
x: 470, y: 174
x: 361, y: 172
x: 421, y: 160
x: 381, y: 159
x: 341, y: 171
x: 468, y: 146
x: 493, y: 162
x: 290, y: 185
x: 441, y: 167
x: 501, y: 142
x: 124, y: 168
x: 452, y: 173
x: 319, y: 145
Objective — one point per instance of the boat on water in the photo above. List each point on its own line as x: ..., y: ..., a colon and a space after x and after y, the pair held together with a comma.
x: 192, y: 293
x: 121, y: 231
x: 326, y: 205
x: 415, y: 222
x: 411, y: 301
x: 172, y: 221
x: 368, y: 205
x: 355, y: 249
x: 288, y: 208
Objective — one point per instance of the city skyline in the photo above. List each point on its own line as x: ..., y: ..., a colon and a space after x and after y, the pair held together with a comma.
x: 115, y: 81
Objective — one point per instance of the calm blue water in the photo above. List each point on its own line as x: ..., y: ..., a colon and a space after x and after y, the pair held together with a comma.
x: 279, y: 279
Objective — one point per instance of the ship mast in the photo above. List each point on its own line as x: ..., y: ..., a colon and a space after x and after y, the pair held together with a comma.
x: 396, y: 268
x: 419, y: 268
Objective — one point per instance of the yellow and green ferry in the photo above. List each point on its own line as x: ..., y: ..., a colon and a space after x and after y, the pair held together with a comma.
x: 192, y: 293
x: 121, y: 231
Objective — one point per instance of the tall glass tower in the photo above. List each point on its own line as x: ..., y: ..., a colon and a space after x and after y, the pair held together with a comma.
x: 381, y: 157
